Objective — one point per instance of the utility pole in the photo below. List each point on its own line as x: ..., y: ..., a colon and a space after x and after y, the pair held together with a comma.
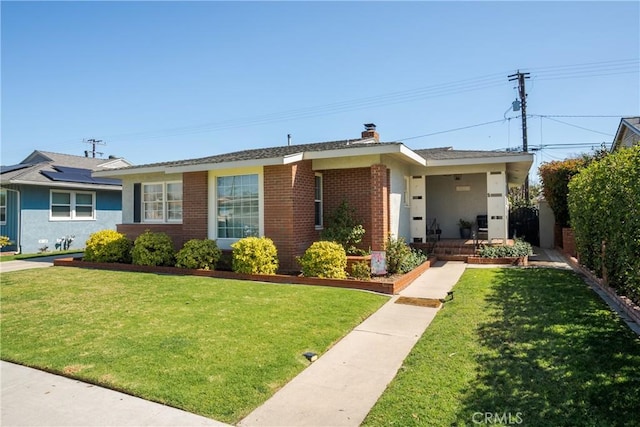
x: 93, y: 143
x: 521, y: 77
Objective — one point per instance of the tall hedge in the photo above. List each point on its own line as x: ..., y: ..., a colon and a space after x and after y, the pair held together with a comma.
x: 604, y: 205
x: 555, y: 177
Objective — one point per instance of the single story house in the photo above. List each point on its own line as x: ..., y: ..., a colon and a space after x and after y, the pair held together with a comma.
x: 286, y: 192
x: 628, y: 133
x: 49, y: 197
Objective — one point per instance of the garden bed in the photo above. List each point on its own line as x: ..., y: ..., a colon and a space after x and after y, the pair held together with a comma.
x: 522, y: 260
x: 391, y: 286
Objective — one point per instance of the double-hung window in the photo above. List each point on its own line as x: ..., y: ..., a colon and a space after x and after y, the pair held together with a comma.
x: 162, y: 202
x: 3, y: 207
x: 238, y: 207
x: 72, y: 205
x: 318, y: 201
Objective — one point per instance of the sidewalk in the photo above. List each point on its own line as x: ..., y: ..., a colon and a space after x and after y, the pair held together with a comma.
x: 26, y: 264
x: 36, y: 398
x: 341, y: 387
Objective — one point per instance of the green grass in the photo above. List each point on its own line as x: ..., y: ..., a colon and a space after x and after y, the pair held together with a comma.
x: 218, y: 348
x: 537, y: 344
x: 4, y: 258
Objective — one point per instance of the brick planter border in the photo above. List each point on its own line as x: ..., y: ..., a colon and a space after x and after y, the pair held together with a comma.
x: 523, y: 260
x: 623, y: 303
x: 390, y: 287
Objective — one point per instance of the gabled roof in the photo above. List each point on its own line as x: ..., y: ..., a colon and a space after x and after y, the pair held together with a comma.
x: 61, y: 170
x: 627, y: 125
x: 441, y: 156
x: 274, y: 156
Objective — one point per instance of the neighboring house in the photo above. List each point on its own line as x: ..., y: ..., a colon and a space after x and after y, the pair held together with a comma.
x: 49, y: 196
x: 286, y: 192
x: 628, y: 133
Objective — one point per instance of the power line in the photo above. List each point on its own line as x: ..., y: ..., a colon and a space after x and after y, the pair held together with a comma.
x: 451, y: 130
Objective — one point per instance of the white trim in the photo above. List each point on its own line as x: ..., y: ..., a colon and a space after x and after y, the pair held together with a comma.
x: 165, y: 203
x: 3, y: 190
x: 58, y: 184
x: 225, y: 242
x: 72, y: 206
x: 480, y: 160
x: 321, y: 201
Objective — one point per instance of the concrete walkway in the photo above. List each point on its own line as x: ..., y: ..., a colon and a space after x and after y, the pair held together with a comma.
x: 341, y: 387
x: 35, y: 398
x: 27, y: 264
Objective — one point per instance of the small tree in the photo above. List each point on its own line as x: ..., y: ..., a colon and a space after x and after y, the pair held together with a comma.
x: 344, y: 229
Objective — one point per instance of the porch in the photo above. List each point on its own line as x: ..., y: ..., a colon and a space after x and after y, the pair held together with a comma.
x: 457, y: 249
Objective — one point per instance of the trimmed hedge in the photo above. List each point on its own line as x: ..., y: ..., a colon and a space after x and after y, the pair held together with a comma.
x: 324, y: 259
x: 255, y: 255
x: 153, y: 249
x: 108, y: 246
x: 604, y: 205
x: 519, y: 248
x: 199, y: 254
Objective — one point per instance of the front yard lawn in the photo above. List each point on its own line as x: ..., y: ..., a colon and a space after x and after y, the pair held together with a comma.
x: 532, y: 347
x: 218, y: 348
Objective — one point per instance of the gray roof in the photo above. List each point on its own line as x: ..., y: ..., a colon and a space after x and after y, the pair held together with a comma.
x: 447, y: 153
x: 270, y: 152
x: 44, y: 161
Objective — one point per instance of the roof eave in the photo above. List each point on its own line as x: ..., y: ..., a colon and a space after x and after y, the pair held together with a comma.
x: 480, y: 160
x: 67, y: 185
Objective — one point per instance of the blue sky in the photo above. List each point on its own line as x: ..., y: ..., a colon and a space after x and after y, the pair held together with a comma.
x: 164, y: 81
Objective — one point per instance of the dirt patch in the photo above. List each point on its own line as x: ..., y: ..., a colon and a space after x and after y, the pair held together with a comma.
x: 421, y: 302
x: 74, y: 369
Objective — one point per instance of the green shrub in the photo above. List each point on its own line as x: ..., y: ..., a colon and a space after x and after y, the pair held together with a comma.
x: 108, y: 246
x: 604, y: 205
x: 4, y: 241
x: 344, y: 229
x: 361, y: 270
x: 413, y: 260
x: 397, y: 253
x: 154, y: 249
x: 255, y: 255
x: 520, y: 248
x: 324, y: 259
x: 198, y: 254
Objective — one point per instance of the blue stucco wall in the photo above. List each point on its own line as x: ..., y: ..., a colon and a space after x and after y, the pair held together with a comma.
x: 37, y: 230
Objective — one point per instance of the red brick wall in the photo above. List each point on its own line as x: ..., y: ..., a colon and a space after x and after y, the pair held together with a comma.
x: 569, y: 242
x: 289, y: 210
x: 195, y: 205
x: 380, y: 178
x: 173, y: 230
x: 354, y: 186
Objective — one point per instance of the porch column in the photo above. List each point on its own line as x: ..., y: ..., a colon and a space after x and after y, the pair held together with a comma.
x: 497, y: 209
x: 418, y: 210
x: 379, y: 206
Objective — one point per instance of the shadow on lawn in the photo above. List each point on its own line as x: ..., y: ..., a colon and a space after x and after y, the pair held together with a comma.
x: 553, y: 355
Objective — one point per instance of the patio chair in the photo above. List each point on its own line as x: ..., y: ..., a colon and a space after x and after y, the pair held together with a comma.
x: 482, y: 227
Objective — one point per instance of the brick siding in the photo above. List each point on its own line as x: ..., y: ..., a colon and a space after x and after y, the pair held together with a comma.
x: 289, y: 215
x: 195, y: 205
x: 173, y: 230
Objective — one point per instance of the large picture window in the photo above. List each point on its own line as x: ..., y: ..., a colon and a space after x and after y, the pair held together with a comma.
x: 72, y: 205
x: 238, y: 206
x: 162, y: 202
x: 3, y: 207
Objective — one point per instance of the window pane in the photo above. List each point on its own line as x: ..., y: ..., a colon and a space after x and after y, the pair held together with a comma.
x: 3, y: 198
x: 61, y: 198
x: 84, y: 212
x: 3, y: 214
x: 84, y: 199
x: 238, y: 209
x: 61, y: 211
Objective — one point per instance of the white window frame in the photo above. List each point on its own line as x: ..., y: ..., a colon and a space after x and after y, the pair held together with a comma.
x: 407, y: 192
x: 3, y: 207
x: 318, y: 201
x: 73, y: 216
x: 165, y: 204
x: 260, y: 212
